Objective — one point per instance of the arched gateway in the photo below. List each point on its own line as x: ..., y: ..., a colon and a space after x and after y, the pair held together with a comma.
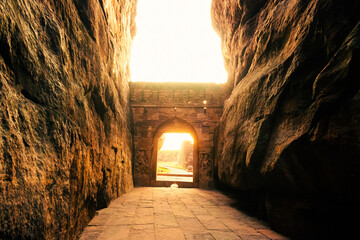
x: 160, y: 108
x: 174, y: 125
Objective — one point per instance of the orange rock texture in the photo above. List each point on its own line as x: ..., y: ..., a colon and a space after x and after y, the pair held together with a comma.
x: 65, y: 145
x: 290, y: 126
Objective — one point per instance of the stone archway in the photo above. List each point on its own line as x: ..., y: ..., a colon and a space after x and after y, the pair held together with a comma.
x: 156, y: 107
x: 174, y: 125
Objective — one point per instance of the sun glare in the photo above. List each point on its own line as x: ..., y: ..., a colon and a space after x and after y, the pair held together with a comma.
x: 175, y: 42
x: 173, y: 141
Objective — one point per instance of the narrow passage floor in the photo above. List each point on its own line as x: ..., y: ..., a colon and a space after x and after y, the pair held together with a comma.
x: 175, y: 213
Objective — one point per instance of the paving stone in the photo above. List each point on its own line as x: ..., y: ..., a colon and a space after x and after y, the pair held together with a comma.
x: 232, y: 223
x: 146, y: 205
x: 169, y: 234
x: 272, y: 235
x: 92, y: 232
x: 253, y: 237
x: 107, y: 211
x: 166, y: 213
x: 181, y: 211
x: 139, y: 219
x: 198, y: 236
x: 90, y: 236
x: 207, y: 203
x: 115, y: 233
x: 99, y: 220
x: 218, y: 212
x: 246, y: 230
x: 229, y: 211
x: 176, y: 203
x: 221, y: 235
x: 212, y: 223
x: 117, y: 204
x: 198, y: 210
x: 166, y: 220
x: 191, y: 225
x: 120, y: 220
x: 258, y: 225
x: 144, y: 211
x: 143, y: 232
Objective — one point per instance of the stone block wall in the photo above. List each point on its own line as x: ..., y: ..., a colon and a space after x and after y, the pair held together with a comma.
x: 153, y: 104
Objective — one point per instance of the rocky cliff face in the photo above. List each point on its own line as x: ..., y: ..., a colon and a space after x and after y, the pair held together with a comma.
x: 65, y: 145
x: 290, y: 126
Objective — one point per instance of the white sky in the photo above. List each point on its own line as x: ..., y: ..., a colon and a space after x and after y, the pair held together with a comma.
x: 173, y: 141
x: 175, y: 42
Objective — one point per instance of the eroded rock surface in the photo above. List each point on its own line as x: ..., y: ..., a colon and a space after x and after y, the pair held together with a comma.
x: 291, y: 123
x: 65, y: 145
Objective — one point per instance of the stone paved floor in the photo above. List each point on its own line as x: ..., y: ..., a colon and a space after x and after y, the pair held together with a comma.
x: 175, y: 213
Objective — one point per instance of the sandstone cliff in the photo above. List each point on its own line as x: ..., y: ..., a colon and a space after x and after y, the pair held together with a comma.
x: 290, y: 127
x: 65, y: 145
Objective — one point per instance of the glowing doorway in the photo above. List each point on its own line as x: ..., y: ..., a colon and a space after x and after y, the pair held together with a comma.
x: 175, y: 160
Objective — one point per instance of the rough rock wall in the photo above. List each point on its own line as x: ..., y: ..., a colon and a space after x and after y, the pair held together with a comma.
x: 65, y: 145
x: 290, y: 126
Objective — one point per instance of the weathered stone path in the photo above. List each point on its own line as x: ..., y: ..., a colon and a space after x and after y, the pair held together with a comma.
x: 175, y: 213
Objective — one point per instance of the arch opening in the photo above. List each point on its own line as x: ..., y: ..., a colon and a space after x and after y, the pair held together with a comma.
x: 175, y: 157
x: 182, y: 167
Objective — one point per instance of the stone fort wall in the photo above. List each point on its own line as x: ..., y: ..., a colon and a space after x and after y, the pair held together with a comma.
x: 153, y: 104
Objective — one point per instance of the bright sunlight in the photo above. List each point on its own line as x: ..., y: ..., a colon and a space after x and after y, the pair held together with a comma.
x: 175, y: 42
x: 173, y: 141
